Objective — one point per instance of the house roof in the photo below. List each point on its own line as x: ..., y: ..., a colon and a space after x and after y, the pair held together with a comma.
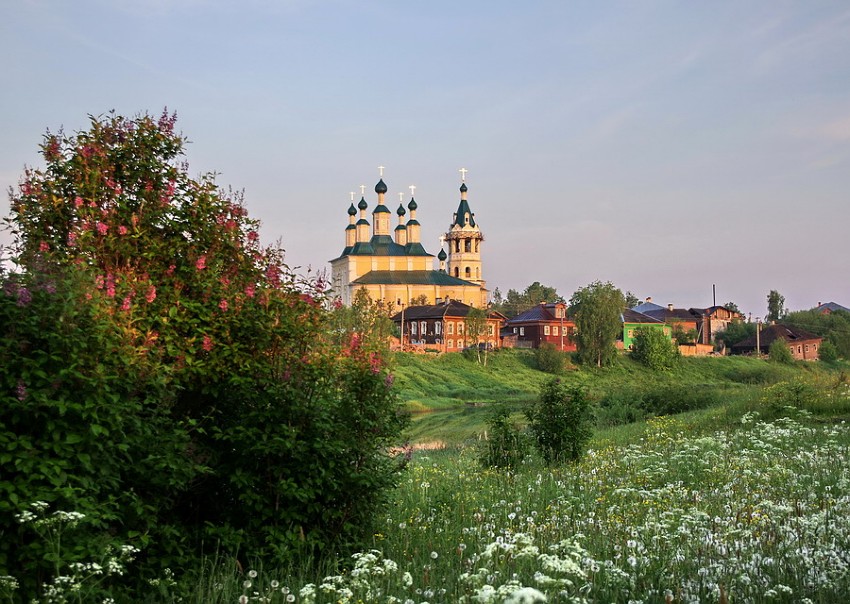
x: 770, y: 333
x: 536, y: 314
x: 410, y: 278
x: 645, y: 306
x: 630, y: 315
x: 677, y: 314
x: 452, y: 308
x: 831, y: 307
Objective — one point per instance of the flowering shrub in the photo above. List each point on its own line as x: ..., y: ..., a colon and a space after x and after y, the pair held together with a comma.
x: 164, y: 368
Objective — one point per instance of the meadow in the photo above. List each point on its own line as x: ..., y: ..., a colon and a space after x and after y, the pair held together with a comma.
x: 743, y: 498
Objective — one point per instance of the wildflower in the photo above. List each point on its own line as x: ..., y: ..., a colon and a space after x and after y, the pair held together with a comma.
x: 243, y: 599
x: 207, y: 343
x: 24, y: 296
x: 434, y: 555
x: 122, y: 230
x: 250, y: 290
x: 201, y: 263
x: 223, y: 304
x: 21, y: 391
x: 125, y: 305
x: 252, y: 574
x: 43, y: 247
x: 102, y: 228
x: 150, y: 296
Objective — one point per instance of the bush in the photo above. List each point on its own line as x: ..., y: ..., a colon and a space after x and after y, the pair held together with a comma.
x: 620, y: 407
x: 780, y: 353
x: 559, y: 421
x: 506, y: 445
x: 549, y: 358
x: 672, y: 399
x: 828, y: 352
x: 655, y: 350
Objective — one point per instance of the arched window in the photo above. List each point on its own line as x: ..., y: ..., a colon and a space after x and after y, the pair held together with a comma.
x: 468, y: 272
x: 457, y: 272
x: 457, y: 245
x: 467, y: 245
x: 477, y: 273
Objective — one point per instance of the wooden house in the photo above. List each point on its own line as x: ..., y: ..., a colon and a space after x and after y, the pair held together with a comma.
x: 804, y: 345
x: 443, y: 327
x: 541, y: 324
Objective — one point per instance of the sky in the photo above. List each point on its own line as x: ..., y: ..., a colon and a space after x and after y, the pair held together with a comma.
x: 667, y: 147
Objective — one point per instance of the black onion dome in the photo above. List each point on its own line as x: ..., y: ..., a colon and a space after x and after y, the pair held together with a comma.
x: 362, y: 205
x: 463, y: 188
x: 351, y: 210
x: 381, y: 187
x: 401, y: 211
x: 412, y: 205
x: 442, y: 255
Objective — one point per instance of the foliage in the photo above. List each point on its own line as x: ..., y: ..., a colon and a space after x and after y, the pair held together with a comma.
x: 737, y: 331
x: 596, y: 309
x: 549, y: 358
x: 797, y: 393
x: 828, y: 352
x: 779, y: 352
x: 654, y: 349
x: 631, y: 300
x: 732, y: 307
x: 559, y: 421
x: 476, y: 329
x: 516, y: 302
x: 506, y: 445
x: 165, y: 370
x: 776, y: 310
x: 366, y: 321
x: 682, y: 336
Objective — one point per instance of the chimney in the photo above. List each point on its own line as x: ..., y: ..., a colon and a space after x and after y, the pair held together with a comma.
x: 649, y: 298
x: 819, y: 303
x: 670, y: 307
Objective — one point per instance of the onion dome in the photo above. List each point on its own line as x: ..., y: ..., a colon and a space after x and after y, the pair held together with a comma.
x: 412, y: 205
x: 381, y: 187
x: 463, y: 188
x: 442, y: 255
x: 401, y: 211
x: 351, y: 210
x: 362, y: 205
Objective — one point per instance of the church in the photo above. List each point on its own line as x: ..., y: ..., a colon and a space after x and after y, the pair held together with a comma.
x: 396, y: 268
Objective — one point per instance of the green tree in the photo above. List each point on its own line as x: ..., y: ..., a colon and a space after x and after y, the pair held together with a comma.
x: 597, y: 310
x: 559, y: 421
x: 148, y: 315
x: 779, y: 352
x: 732, y: 306
x: 834, y: 327
x: 476, y: 329
x: 828, y: 352
x: 631, y: 300
x: 654, y: 349
x: 366, y: 322
x: 775, y: 306
x: 506, y: 445
x: 736, y: 331
x: 516, y: 302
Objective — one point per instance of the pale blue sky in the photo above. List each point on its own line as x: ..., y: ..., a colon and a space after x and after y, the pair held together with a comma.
x: 664, y: 146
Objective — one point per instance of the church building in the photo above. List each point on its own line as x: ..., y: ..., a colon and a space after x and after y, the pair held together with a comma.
x: 396, y: 268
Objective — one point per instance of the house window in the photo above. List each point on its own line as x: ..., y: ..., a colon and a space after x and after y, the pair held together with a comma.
x: 450, y: 329
x: 545, y: 330
x: 451, y: 344
x: 460, y: 343
x: 423, y: 328
x: 799, y: 349
x: 631, y: 333
x: 522, y: 331
x: 490, y: 330
x: 807, y: 348
x: 514, y: 329
x: 554, y: 330
x: 459, y: 328
x: 438, y: 328
x: 413, y: 328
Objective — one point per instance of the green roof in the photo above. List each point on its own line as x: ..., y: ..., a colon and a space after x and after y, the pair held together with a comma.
x: 410, y: 278
x: 462, y: 210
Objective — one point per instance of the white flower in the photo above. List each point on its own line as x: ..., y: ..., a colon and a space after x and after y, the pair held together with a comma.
x: 434, y: 555
x: 252, y: 574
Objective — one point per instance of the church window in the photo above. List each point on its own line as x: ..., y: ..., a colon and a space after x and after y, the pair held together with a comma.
x: 457, y: 272
x: 476, y: 246
x: 468, y: 272
x: 477, y: 273
x: 467, y: 245
x: 450, y: 329
x: 457, y: 245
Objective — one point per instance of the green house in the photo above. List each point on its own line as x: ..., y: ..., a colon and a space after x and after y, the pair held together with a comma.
x: 633, y: 321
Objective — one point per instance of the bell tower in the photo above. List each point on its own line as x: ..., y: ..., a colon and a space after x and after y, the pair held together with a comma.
x: 464, y: 241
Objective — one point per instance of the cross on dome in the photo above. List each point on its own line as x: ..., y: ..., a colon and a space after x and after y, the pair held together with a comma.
x: 412, y: 189
x: 362, y: 190
x: 381, y: 171
x: 352, y: 196
x: 463, y: 172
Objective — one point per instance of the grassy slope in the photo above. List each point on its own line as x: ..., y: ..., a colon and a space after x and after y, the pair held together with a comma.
x: 450, y: 395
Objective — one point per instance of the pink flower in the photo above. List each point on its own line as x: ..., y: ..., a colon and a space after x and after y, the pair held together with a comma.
x: 43, y: 247
x: 102, y: 228
x: 110, y: 285
x: 223, y: 304
x: 78, y: 202
x: 253, y: 236
x: 72, y: 239
x: 250, y: 290
x: 125, y: 305
x: 201, y: 263
x: 207, y: 344
x: 98, y: 282
x: 170, y: 270
x: 122, y: 230
x: 150, y: 296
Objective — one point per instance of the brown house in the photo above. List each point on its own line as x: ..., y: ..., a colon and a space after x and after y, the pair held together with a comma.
x: 443, y: 327
x: 804, y: 345
x: 541, y: 324
x: 706, y: 322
